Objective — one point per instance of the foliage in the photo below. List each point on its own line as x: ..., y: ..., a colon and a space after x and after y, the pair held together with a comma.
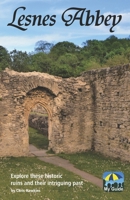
x: 19, y: 60
x: 37, y: 139
x: 66, y: 59
x: 43, y: 46
x: 50, y: 151
x: 4, y: 58
x: 63, y: 47
x: 40, y: 62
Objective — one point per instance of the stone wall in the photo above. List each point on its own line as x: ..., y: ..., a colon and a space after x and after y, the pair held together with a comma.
x: 64, y: 102
x: 111, y: 110
x: 88, y: 112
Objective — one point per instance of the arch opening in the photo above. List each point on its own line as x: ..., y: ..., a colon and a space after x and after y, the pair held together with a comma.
x: 38, y: 126
x: 44, y: 100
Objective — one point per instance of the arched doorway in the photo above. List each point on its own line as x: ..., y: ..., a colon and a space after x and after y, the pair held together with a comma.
x: 41, y: 98
x: 38, y: 127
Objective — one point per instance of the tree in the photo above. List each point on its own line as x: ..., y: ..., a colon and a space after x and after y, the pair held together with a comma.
x: 41, y: 62
x: 63, y: 47
x: 112, y: 37
x: 63, y: 71
x: 68, y: 59
x: 19, y: 60
x: 4, y: 58
x: 43, y: 46
x: 117, y: 60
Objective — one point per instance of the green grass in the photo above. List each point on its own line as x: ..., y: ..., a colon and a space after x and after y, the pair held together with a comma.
x: 95, y: 163
x: 91, y: 162
x: 24, y: 165
x: 37, y: 139
x: 50, y: 151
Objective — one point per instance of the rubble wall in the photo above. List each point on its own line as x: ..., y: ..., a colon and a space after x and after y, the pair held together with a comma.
x: 88, y: 112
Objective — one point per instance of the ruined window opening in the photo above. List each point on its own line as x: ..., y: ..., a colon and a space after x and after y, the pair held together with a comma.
x: 101, y: 123
x: 118, y: 125
x: 80, y: 89
x: 38, y: 127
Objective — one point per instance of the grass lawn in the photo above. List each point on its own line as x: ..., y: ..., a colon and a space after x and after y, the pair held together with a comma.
x: 37, y: 139
x: 90, y: 162
x: 24, y: 165
x: 97, y: 164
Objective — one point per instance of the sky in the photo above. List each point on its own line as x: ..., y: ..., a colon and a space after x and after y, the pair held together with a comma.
x: 13, y: 38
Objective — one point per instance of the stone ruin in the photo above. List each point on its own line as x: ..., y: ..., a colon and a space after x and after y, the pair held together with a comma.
x: 90, y: 112
x: 38, y: 119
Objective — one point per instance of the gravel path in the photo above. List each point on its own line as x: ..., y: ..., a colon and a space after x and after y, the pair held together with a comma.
x: 51, y: 158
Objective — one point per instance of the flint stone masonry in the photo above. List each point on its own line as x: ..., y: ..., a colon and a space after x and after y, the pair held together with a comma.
x: 88, y: 112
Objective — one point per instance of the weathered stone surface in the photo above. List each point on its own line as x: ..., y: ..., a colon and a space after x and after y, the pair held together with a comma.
x: 88, y: 112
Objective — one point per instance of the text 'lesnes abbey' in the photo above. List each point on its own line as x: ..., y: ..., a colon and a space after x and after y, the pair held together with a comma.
x: 82, y: 16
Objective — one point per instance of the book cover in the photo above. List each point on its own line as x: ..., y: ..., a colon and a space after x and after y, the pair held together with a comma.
x: 64, y: 100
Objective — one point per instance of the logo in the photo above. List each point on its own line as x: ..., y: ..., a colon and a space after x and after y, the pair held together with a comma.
x: 113, y: 181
